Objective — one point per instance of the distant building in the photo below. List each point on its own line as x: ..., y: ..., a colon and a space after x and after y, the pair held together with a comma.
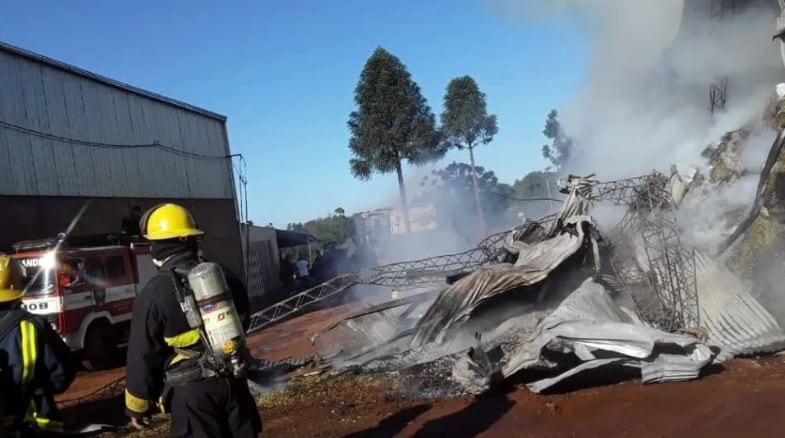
x: 263, y: 246
x: 382, y: 223
x: 374, y: 225
x: 420, y: 219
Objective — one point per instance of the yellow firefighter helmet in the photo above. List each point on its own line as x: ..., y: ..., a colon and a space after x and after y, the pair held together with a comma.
x: 168, y: 221
x: 12, y: 279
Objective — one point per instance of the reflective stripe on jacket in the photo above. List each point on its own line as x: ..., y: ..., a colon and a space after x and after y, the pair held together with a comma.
x: 37, y: 364
x: 158, y: 326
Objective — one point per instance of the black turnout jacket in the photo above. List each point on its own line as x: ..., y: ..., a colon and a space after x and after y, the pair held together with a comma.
x: 158, y: 326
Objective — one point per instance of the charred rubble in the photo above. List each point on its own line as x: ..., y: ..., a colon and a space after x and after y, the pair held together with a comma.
x: 559, y: 296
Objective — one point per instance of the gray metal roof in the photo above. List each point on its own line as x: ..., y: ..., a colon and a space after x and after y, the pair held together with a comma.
x: 106, y: 81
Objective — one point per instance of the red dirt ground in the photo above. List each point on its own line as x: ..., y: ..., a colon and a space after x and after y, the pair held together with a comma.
x: 289, y: 339
x: 747, y: 397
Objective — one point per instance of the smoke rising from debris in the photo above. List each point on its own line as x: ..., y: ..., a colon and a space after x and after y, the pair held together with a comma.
x: 645, y: 100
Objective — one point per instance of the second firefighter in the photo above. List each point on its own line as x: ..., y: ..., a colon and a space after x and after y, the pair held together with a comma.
x: 166, y: 366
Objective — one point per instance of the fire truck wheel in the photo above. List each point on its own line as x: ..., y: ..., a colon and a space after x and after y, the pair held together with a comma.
x: 100, y: 350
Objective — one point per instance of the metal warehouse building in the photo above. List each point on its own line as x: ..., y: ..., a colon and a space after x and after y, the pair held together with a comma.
x: 67, y: 135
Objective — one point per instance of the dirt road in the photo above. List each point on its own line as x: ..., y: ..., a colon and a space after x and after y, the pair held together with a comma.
x: 746, y: 398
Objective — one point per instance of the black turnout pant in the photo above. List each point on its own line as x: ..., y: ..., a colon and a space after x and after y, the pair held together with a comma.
x: 214, y: 408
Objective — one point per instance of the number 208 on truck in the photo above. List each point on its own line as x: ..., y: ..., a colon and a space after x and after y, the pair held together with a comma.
x: 85, y: 292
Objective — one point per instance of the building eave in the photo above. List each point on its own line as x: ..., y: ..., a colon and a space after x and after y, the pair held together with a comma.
x: 35, y: 57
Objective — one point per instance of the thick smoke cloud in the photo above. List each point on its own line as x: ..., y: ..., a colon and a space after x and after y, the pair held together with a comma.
x: 645, y: 99
x: 644, y: 103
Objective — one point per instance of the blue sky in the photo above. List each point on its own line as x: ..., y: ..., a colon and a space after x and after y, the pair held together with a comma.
x: 284, y: 73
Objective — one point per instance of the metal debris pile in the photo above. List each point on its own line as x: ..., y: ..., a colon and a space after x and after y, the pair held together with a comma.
x: 560, y: 296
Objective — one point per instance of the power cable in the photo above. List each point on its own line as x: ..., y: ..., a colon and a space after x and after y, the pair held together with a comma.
x: 93, y: 144
x: 512, y: 198
x: 241, y: 172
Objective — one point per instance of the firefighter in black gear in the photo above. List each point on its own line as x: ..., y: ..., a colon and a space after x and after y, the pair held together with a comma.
x: 35, y: 364
x: 162, y: 344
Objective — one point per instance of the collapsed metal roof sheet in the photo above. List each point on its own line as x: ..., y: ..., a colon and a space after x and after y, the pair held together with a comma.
x: 643, y: 298
x: 456, y: 304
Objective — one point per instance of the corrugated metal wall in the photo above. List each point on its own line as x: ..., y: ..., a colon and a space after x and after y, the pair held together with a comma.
x: 39, y: 97
x: 263, y: 260
x: 44, y: 180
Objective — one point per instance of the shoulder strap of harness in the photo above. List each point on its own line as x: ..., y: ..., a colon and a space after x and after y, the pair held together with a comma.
x: 9, y: 321
x: 177, y: 274
x: 187, y: 302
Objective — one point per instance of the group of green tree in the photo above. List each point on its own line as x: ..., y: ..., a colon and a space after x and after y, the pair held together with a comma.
x: 331, y: 230
x: 393, y: 124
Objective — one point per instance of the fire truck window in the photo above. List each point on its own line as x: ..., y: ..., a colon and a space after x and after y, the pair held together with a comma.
x: 94, y: 270
x: 115, y: 267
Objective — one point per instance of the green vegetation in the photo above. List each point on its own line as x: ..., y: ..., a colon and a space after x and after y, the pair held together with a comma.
x: 466, y: 125
x: 763, y: 237
x: 450, y: 189
x: 766, y: 235
x: 392, y: 122
x: 331, y: 230
x: 536, y: 185
x: 562, y: 147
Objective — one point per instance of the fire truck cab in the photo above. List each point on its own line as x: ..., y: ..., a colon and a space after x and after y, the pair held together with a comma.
x: 86, y: 293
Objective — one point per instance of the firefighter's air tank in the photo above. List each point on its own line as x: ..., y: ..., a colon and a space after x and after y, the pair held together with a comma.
x: 222, y: 324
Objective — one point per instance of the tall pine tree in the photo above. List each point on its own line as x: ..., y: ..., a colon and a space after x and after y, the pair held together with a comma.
x: 561, y: 148
x: 466, y: 125
x: 392, y: 123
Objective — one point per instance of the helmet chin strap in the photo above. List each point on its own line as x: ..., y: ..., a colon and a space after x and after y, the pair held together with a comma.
x: 160, y: 263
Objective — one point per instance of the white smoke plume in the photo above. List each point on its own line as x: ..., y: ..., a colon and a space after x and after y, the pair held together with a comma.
x: 645, y: 101
x: 645, y: 104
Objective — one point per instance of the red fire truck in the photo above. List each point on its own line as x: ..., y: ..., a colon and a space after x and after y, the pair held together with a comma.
x: 86, y: 292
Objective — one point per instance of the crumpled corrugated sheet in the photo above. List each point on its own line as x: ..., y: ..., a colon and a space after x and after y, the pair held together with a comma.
x: 734, y: 319
x: 456, y: 303
x: 599, y: 332
x: 577, y: 202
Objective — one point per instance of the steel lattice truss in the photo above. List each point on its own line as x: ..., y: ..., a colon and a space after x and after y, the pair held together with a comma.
x: 671, y: 269
x: 639, y: 193
x: 433, y: 270
x: 427, y: 271
x: 415, y: 273
x: 295, y: 303
x: 674, y: 273
x: 670, y: 272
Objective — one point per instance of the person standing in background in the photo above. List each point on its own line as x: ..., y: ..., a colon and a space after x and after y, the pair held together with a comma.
x: 287, y: 274
x: 303, y: 276
x: 130, y: 225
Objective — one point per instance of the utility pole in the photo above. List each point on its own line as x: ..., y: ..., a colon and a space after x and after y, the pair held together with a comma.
x: 721, y: 11
x: 550, y: 198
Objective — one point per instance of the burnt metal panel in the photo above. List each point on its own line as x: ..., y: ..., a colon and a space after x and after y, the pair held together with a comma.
x: 55, y: 101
